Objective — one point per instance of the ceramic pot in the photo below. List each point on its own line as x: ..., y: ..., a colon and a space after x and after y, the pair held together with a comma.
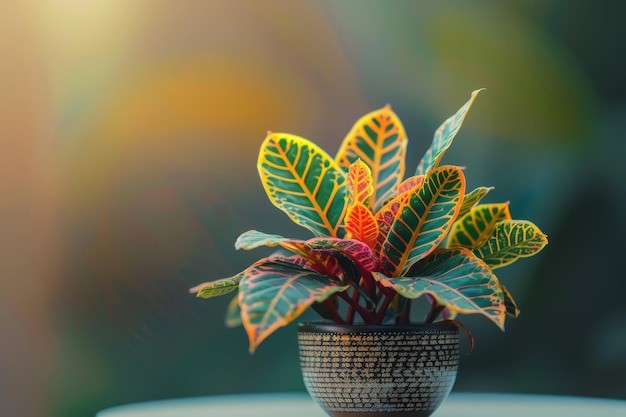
x: 375, y: 371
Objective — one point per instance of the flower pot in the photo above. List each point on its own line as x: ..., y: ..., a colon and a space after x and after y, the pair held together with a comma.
x: 360, y: 370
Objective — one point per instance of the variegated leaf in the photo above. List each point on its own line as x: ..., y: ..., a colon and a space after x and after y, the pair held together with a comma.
x: 360, y: 224
x: 227, y: 285
x: 321, y: 262
x: 233, y: 313
x: 511, y: 240
x: 358, y: 252
x: 473, y: 229
x: 443, y: 137
x: 216, y: 288
x: 253, y: 239
x: 410, y: 183
x: 360, y: 183
x: 458, y: 281
x: 274, y: 293
x: 387, y: 214
x: 304, y: 182
x: 509, y: 303
x: 423, y: 223
x: 379, y: 140
x: 472, y: 198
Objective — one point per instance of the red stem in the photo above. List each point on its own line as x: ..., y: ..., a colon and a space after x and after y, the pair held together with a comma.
x: 389, y: 294
x: 369, y: 283
x: 350, y: 313
x: 433, y: 313
x: 365, y: 314
x: 336, y: 317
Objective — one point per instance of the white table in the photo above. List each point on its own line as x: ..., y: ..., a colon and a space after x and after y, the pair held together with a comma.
x: 301, y: 405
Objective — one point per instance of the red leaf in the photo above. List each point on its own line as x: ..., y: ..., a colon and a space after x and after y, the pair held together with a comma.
x: 358, y: 252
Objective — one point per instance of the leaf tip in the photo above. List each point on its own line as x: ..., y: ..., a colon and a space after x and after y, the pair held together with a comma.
x: 501, y: 319
x: 474, y: 95
x: 252, y: 334
x: 197, y: 288
x: 269, y: 132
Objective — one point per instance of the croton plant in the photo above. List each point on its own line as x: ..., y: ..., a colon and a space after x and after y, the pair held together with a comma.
x: 380, y: 240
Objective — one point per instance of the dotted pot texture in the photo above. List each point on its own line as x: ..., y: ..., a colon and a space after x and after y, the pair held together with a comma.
x: 375, y: 371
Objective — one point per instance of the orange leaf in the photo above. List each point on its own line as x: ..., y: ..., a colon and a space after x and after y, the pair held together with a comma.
x: 360, y: 185
x: 361, y: 225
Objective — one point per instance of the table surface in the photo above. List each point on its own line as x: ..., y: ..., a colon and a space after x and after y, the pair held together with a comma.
x: 301, y: 405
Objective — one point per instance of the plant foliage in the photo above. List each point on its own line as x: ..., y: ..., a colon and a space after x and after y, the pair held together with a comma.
x: 379, y: 240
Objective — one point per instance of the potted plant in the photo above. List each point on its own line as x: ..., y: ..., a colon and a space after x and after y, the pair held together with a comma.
x: 380, y: 241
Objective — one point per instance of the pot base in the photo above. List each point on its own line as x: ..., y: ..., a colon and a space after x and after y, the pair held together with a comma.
x: 380, y: 414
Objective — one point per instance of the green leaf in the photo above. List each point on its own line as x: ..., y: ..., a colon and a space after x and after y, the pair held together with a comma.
x: 423, y: 223
x: 509, y: 303
x: 218, y: 287
x: 472, y: 198
x: 227, y: 285
x: 443, y: 137
x: 253, y: 239
x: 379, y: 140
x: 305, y: 182
x: 457, y: 279
x: 511, y: 240
x: 388, y: 213
x: 473, y: 229
x: 305, y: 256
x: 274, y: 293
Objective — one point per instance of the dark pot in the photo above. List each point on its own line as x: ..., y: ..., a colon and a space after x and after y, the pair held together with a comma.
x: 375, y: 371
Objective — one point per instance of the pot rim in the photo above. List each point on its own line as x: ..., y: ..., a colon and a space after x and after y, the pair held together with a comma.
x: 329, y: 327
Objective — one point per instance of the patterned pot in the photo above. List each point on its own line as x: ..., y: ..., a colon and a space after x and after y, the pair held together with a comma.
x: 375, y: 371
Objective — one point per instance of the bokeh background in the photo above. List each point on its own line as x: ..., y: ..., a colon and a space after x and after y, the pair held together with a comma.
x: 129, y: 132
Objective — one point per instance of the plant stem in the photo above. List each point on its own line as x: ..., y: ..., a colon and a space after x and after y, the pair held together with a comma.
x: 389, y: 294
x: 369, y: 284
x: 331, y: 307
x: 365, y: 314
x: 433, y: 313
x: 350, y: 313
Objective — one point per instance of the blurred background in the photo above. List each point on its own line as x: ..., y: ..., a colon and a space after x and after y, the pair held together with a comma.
x: 129, y: 132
